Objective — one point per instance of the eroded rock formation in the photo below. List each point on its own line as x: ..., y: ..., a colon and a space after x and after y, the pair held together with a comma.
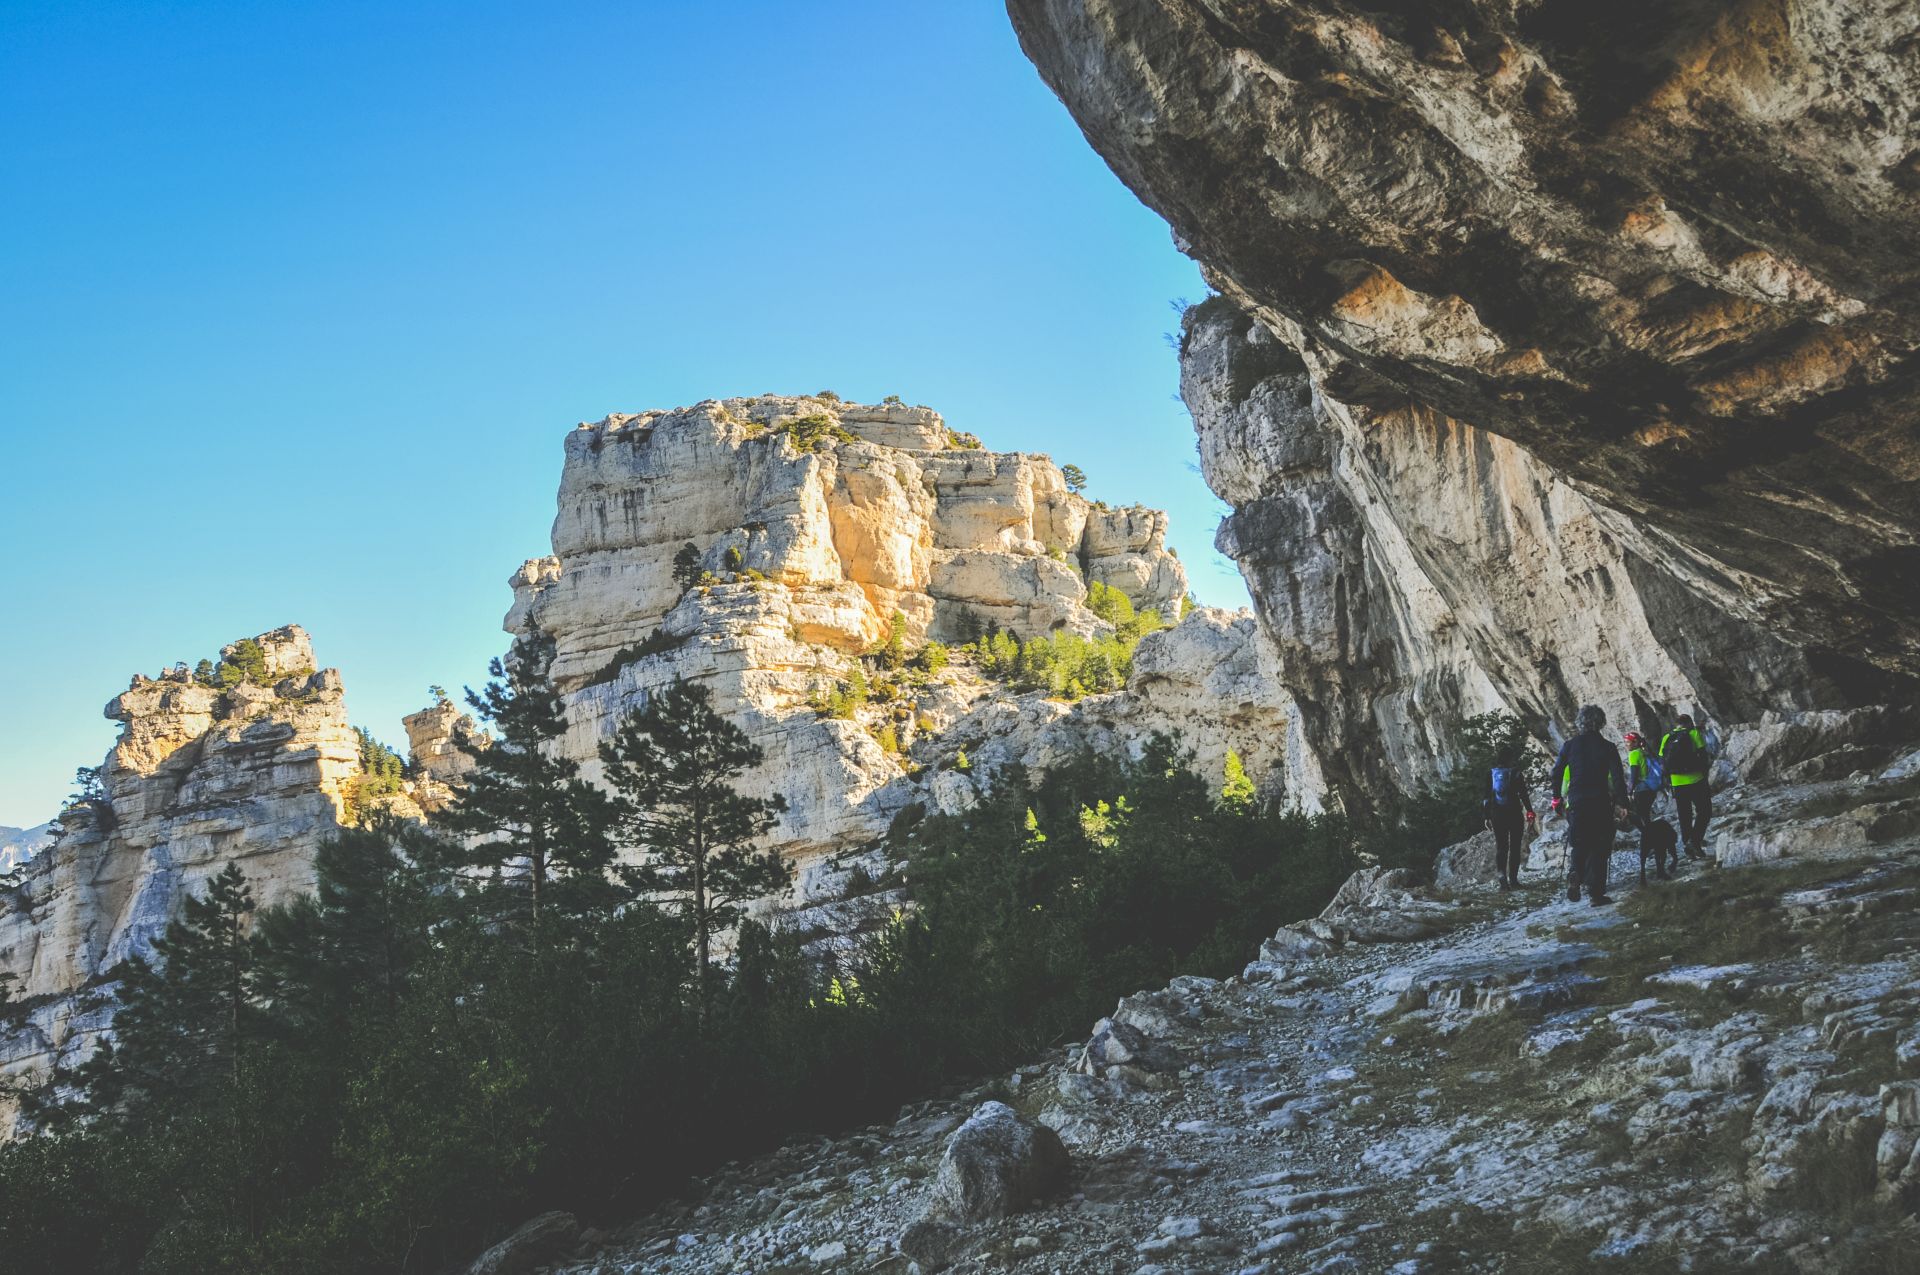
x: 257, y: 774
x: 813, y: 523
x: 1566, y: 352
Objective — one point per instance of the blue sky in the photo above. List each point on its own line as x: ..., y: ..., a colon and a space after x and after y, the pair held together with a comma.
x: 298, y: 300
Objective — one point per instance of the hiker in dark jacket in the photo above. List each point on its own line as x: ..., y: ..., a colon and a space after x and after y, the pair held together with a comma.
x: 1588, y: 774
x: 1509, y: 809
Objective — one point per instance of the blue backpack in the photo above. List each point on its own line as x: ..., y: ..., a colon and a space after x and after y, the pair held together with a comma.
x: 1506, y: 786
x: 1653, y: 775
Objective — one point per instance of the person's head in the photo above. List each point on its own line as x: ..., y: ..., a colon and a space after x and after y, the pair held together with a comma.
x: 1686, y: 721
x: 1633, y: 739
x: 1591, y: 720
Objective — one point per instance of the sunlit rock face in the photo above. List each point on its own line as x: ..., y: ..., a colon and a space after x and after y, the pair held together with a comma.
x: 1212, y: 681
x: 1565, y: 351
x: 257, y: 775
x: 815, y: 522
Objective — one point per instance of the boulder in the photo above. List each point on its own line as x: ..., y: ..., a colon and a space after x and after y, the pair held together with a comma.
x: 996, y: 1164
x: 1470, y: 862
x: 931, y: 1244
x: 538, y: 1242
x: 1116, y: 1045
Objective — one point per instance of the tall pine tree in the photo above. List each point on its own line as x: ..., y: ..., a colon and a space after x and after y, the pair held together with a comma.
x: 674, y: 763
x: 524, y: 807
x: 183, y: 1027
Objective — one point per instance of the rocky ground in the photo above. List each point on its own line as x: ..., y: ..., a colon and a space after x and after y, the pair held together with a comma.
x: 1718, y: 1072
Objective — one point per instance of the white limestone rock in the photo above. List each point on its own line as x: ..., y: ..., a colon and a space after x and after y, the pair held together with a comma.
x: 817, y: 520
x: 256, y: 775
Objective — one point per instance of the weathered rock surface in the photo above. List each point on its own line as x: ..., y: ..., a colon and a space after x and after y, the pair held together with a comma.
x: 996, y: 1164
x: 815, y: 522
x: 436, y: 761
x: 1211, y: 678
x: 1563, y: 355
x: 1495, y: 1095
x: 257, y: 775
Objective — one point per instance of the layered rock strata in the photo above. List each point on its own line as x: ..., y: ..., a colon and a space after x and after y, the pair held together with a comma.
x: 813, y: 524
x: 255, y: 774
x: 1210, y: 680
x: 1563, y: 354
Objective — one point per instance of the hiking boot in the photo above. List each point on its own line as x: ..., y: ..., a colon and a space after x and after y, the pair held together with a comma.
x: 1516, y: 883
x: 1505, y: 885
x: 1573, y: 894
x: 1600, y: 900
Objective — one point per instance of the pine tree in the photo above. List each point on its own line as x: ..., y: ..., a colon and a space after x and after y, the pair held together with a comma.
x: 1237, y: 792
x: 686, y: 567
x: 184, y: 1025
x: 355, y: 940
x: 893, y: 652
x: 1076, y: 478
x: 673, y: 763
x: 523, y: 805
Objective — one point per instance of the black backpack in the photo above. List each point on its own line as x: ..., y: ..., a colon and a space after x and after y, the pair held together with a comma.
x: 1683, y: 754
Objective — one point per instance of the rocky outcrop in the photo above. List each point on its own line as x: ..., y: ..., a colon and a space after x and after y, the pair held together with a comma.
x: 436, y: 760
x: 1559, y: 357
x: 255, y: 773
x: 1210, y: 679
x: 813, y: 523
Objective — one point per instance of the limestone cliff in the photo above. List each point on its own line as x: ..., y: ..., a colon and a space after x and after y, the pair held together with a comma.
x: 1563, y: 353
x: 255, y: 773
x: 814, y: 523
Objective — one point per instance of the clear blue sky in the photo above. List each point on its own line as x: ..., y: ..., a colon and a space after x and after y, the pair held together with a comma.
x: 298, y: 300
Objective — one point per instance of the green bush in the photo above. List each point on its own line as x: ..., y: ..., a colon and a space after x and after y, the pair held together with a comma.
x: 813, y: 432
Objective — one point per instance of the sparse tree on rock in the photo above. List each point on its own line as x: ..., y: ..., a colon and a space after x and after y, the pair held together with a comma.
x: 893, y: 652
x: 523, y: 802
x: 674, y: 763
x: 686, y: 567
x: 1076, y: 478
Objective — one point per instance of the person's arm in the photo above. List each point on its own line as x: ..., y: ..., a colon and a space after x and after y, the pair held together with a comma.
x: 1617, y: 777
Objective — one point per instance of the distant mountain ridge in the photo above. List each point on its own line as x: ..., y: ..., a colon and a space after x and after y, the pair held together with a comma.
x: 17, y: 845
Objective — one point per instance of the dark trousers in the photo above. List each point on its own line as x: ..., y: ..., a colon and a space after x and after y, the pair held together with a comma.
x: 1589, y: 845
x: 1693, y: 803
x: 1509, y: 841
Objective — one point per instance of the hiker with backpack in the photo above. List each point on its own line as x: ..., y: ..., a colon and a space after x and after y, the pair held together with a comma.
x: 1508, y: 808
x: 1587, y: 773
x: 1647, y: 778
x: 1687, y: 760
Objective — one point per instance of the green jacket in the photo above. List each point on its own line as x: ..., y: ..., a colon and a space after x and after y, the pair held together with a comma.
x: 1700, y: 741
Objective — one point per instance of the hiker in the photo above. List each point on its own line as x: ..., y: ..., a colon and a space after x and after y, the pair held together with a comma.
x: 1587, y: 773
x: 1508, y: 808
x: 1687, y: 760
x: 1646, y: 779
